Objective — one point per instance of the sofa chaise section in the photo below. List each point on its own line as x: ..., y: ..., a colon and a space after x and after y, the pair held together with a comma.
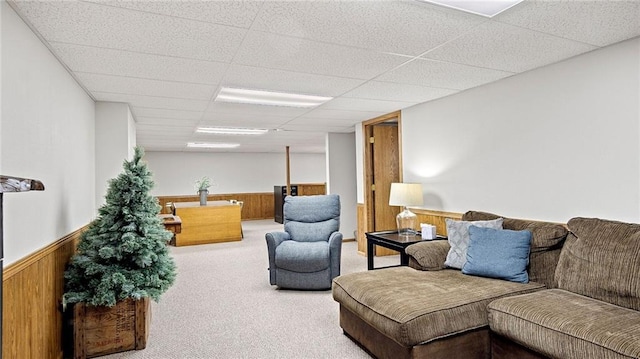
x: 595, y: 312
x: 427, y: 311
x: 561, y: 324
x: 413, y: 307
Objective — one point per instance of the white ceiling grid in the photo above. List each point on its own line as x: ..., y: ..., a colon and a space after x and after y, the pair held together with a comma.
x: 168, y: 58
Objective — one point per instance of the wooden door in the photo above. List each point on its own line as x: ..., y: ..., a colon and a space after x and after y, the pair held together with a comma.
x: 385, y: 170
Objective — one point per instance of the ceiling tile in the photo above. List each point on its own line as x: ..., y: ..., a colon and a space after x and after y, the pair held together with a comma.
x: 231, y: 13
x: 439, y: 74
x: 135, y: 64
x: 168, y: 58
x: 242, y: 120
x: 287, y: 81
x: 167, y: 114
x: 298, y: 55
x: 377, y: 90
x: 319, y: 122
x: 98, y: 25
x: 594, y: 22
x: 145, y: 129
x: 152, y: 102
x: 320, y: 129
x: 403, y: 27
x: 135, y: 86
x: 343, y: 103
x: 168, y: 122
x: 347, y: 115
x: 253, y: 110
x: 499, y: 46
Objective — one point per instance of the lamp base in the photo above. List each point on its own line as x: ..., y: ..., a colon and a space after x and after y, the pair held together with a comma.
x: 406, y: 222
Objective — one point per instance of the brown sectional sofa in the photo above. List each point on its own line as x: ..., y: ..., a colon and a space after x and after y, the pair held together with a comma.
x: 582, y: 301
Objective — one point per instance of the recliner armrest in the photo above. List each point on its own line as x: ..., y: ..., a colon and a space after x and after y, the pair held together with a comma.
x: 335, y: 239
x: 273, y: 240
x: 335, y: 250
x: 428, y: 255
x: 277, y: 237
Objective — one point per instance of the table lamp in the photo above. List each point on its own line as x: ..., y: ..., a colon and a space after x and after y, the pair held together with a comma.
x: 406, y: 194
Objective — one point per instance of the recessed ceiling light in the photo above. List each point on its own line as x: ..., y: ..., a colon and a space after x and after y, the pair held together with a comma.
x: 232, y: 131
x: 212, y: 145
x: 487, y: 8
x: 257, y: 97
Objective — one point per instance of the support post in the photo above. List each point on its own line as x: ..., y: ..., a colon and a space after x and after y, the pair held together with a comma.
x: 288, y: 173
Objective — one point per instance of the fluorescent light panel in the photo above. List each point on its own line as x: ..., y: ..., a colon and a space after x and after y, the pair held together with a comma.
x: 232, y: 131
x: 487, y: 8
x: 212, y: 145
x: 257, y: 97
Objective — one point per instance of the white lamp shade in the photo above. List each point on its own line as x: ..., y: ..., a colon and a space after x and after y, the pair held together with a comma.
x: 406, y: 194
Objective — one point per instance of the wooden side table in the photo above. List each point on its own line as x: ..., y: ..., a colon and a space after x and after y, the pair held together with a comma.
x: 172, y: 224
x: 392, y: 240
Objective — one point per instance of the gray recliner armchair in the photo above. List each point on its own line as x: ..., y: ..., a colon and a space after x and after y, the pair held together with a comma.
x: 307, y: 254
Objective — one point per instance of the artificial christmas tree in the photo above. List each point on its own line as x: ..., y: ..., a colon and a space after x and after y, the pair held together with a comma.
x: 122, y: 260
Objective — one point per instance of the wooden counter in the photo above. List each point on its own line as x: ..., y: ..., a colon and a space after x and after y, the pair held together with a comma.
x: 218, y: 221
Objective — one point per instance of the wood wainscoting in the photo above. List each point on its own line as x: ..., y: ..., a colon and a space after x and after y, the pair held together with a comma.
x: 361, y: 218
x: 33, y: 288
x: 436, y: 218
x: 255, y: 205
x: 311, y: 189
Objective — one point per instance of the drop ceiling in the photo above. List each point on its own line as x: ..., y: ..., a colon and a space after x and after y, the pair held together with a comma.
x: 168, y: 59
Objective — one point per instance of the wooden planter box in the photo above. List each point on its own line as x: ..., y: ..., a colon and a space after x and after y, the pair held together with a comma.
x: 102, y: 330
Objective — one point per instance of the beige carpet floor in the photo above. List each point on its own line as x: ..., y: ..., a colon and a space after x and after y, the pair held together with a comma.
x: 222, y: 306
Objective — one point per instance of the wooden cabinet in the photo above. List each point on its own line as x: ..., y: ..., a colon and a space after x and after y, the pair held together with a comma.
x: 218, y: 221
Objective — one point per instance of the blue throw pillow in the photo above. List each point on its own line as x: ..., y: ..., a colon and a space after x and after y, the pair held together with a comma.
x: 498, y: 253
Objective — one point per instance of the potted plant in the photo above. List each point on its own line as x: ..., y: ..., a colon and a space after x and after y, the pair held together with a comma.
x: 202, y: 185
x: 122, y: 260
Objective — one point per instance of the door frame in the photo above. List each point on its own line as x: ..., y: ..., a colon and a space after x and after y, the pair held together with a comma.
x: 367, y: 130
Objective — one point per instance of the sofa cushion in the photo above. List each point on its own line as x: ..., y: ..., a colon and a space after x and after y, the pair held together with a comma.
x: 458, y: 237
x: 429, y: 255
x: 544, y: 235
x: 498, y: 253
x: 546, y: 241
x: 413, y: 307
x: 302, y: 257
x: 562, y: 324
x: 601, y: 259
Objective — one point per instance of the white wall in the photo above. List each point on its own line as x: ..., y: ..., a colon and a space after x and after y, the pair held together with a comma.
x: 550, y: 144
x: 47, y: 134
x: 176, y: 172
x: 341, y: 178
x: 132, y: 142
x: 115, y: 140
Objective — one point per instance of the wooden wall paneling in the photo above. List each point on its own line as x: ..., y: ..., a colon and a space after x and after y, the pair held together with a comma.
x: 436, y: 218
x: 311, y: 189
x: 361, y: 218
x: 33, y: 288
x: 255, y: 205
x: 267, y: 204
